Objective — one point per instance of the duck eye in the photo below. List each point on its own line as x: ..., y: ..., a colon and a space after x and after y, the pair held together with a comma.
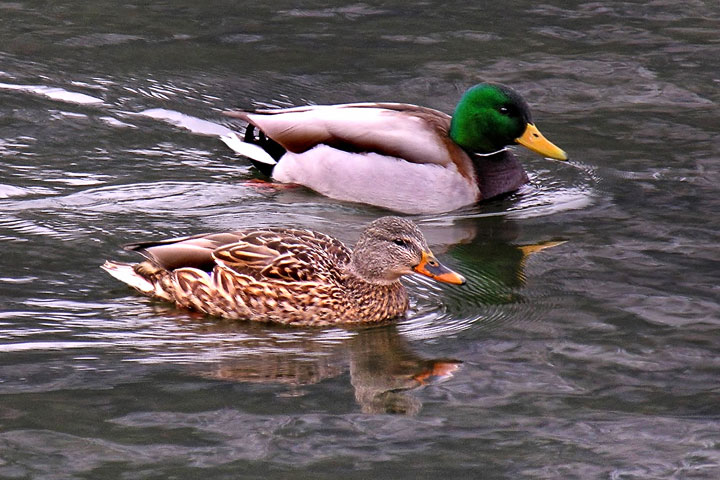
x: 504, y: 110
x: 400, y: 242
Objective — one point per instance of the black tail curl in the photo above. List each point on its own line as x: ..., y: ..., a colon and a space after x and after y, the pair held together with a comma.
x: 274, y: 149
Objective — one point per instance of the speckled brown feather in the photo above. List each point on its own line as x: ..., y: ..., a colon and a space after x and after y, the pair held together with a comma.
x: 284, y: 255
x: 287, y: 276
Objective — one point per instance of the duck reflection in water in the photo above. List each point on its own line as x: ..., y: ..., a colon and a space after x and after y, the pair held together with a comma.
x: 492, y: 256
x: 383, y: 367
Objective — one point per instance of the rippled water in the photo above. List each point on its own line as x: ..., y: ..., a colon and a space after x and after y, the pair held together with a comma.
x: 585, y: 344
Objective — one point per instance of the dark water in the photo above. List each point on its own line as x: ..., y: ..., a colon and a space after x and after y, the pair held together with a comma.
x: 596, y: 358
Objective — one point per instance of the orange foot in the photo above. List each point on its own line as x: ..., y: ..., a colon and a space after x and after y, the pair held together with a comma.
x: 438, y: 371
x: 265, y: 184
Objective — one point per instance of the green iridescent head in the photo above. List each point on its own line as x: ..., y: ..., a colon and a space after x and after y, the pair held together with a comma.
x: 490, y: 117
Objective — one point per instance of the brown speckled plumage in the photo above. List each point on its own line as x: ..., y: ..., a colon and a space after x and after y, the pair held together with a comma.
x: 288, y: 276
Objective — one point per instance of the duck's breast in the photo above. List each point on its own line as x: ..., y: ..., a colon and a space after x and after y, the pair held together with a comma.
x: 378, y: 180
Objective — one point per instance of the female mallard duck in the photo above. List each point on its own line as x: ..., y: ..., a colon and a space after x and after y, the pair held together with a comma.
x: 402, y: 157
x: 296, y: 277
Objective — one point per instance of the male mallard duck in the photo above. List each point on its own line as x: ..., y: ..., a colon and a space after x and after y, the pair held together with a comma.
x: 296, y: 277
x: 402, y: 157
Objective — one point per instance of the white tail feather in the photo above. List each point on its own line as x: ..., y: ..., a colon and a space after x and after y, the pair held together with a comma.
x: 125, y: 273
x: 247, y: 149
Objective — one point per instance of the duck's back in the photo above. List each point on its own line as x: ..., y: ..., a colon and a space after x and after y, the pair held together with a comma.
x: 302, y: 277
x: 286, y: 255
x: 411, y: 132
x: 273, y: 253
x: 286, y: 276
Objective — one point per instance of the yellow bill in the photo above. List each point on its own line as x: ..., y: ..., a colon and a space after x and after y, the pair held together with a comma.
x: 535, y: 141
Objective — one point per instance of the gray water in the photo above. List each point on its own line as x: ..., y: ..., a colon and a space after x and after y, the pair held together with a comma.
x: 593, y: 358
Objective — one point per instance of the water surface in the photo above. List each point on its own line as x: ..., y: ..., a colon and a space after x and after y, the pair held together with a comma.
x: 595, y: 357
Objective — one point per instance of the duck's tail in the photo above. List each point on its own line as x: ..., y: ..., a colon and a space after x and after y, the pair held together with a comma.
x: 125, y: 272
x: 260, y: 159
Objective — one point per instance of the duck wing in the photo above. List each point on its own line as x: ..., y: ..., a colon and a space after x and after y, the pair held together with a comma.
x: 410, y: 132
x: 281, y: 254
x: 192, y: 252
x: 288, y: 255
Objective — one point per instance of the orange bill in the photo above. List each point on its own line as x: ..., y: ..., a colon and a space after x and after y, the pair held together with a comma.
x: 430, y: 267
x: 535, y: 141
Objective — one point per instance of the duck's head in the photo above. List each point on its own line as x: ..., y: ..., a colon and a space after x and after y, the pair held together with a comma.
x: 391, y: 247
x: 490, y: 117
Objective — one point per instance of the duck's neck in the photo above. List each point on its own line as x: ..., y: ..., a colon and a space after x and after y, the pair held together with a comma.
x: 499, y: 174
x: 376, y: 302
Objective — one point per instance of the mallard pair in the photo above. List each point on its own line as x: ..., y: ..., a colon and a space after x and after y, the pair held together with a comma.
x: 402, y: 157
